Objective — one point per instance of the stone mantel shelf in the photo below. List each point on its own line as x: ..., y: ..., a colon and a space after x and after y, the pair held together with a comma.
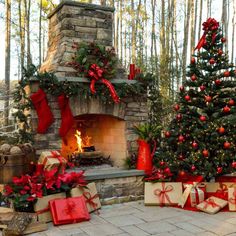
x: 85, y: 80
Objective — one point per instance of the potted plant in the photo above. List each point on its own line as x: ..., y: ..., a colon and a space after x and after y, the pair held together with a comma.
x: 147, y: 135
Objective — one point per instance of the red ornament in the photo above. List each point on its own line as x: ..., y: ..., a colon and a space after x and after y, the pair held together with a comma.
x: 202, y: 87
x: 226, y: 74
x: 205, y: 153
x: 223, y: 40
x: 202, y: 118
x: 193, y: 77
x: 167, y: 171
x: 212, y: 61
x: 176, y: 107
x: 221, y: 130
x: 219, y: 170
x: 193, y: 61
x: 208, y: 98
x: 182, y: 173
x: 193, y: 167
x: 162, y: 163
x: 220, y: 52
x: 217, y: 81
x: 181, y: 88
x: 181, y: 138
x: 187, y: 98
x: 167, y: 134
x: 234, y: 164
x: 226, y: 145
x: 178, y: 117
x: 231, y: 102
x: 195, y: 144
x: 226, y: 109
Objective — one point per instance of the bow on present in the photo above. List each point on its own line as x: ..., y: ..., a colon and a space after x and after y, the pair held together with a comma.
x: 222, y: 191
x: 162, y: 194
x: 210, y: 202
x: 210, y: 25
x: 70, y: 209
x: 232, y: 200
x: 95, y: 73
x: 90, y: 200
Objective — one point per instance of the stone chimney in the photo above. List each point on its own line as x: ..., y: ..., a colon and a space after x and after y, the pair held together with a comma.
x: 75, y: 22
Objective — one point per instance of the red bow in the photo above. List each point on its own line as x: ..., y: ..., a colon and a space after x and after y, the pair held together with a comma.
x: 210, y: 25
x: 90, y: 199
x: 70, y: 209
x: 222, y: 191
x: 95, y: 73
x: 210, y: 202
x: 163, y: 193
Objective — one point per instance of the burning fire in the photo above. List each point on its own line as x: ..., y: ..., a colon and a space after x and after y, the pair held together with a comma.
x: 82, y: 142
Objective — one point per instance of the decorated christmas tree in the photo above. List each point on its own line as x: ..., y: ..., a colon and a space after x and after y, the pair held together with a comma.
x: 201, y: 138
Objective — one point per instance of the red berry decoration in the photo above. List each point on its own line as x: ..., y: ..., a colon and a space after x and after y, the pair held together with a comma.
x: 231, y: 102
x: 221, y: 130
x: 226, y: 145
x: 176, y: 107
x: 167, y: 134
x: 187, y: 98
x: 167, y: 171
x: 195, y: 144
x: 226, y: 109
x: 202, y: 118
x: 220, y: 52
x: 218, y: 82
x: 202, y: 87
x: 193, y: 61
x: 162, y: 163
x: 179, y: 117
x: 226, y: 74
x: 181, y: 88
x: 223, y: 40
x: 205, y: 153
x: 219, y: 169
x: 193, y: 167
x: 181, y: 138
x: 182, y: 173
x: 208, y: 98
x: 193, y: 77
x: 212, y: 61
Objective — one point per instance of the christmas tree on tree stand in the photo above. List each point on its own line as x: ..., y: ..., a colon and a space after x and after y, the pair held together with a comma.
x: 201, y: 138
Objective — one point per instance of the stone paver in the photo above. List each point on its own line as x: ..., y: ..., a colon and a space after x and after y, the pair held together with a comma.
x: 135, y: 219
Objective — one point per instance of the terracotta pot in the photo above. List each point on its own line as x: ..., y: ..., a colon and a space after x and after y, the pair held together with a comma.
x: 144, y: 161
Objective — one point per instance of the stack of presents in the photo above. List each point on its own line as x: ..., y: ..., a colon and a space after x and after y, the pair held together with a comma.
x: 49, y: 193
x: 193, y: 194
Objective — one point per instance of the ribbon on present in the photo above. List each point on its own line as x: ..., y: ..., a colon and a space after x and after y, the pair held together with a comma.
x: 46, y: 209
x: 95, y: 73
x: 90, y: 200
x: 222, y: 191
x: 210, y: 25
x: 162, y: 194
x: 198, y: 192
x: 210, y: 202
x: 232, y: 200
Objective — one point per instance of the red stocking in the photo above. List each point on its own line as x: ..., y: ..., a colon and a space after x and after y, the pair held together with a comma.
x: 67, y: 118
x: 45, y: 116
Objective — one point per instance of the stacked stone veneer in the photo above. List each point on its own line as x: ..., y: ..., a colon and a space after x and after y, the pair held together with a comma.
x: 75, y: 22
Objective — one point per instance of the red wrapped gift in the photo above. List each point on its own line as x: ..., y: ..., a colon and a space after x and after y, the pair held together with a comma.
x: 70, y: 210
x: 218, y: 189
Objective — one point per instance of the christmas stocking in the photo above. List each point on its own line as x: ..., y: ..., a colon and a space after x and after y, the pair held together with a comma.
x: 45, y: 116
x: 67, y: 118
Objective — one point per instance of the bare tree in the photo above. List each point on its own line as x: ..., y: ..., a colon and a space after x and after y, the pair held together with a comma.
x: 40, y: 31
x: 200, y: 19
x: 27, y: 19
x: 224, y: 20
x: 192, y: 42
x: 233, y: 31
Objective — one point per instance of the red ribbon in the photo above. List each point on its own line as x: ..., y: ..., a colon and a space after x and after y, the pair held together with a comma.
x: 210, y: 202
x: 95, y: 73
x: 232, y: 200
x: 162, y: 194
x: 70, y: 208
x: 222, y: 191
x: 56, y: 155
x: 42, y: 211
x: 90, y: 200
x: 210, y: 25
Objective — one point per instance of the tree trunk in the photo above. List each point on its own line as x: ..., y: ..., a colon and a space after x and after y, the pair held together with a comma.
x: 200, y: 20
x: 103, y: 2
x: 121, y: 31
x: 146, y: 36
x: 7, y: 60
x: 27, y: 18
x: 117, y: 29
x: 224, y: 20
x: 40, y: 31
x: 133, y: 39
x: 233, y: 31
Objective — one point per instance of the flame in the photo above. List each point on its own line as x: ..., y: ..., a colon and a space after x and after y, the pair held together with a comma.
x: 82, y: 142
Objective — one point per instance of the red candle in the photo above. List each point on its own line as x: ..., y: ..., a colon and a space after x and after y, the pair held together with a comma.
x: 132, y: 69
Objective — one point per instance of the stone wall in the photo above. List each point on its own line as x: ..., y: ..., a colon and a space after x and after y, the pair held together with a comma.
x: 75, y: 22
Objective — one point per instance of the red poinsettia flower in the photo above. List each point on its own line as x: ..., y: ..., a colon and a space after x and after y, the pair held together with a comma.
x: 23, y: 192
x: 31, y: 198
x: 37, y: 190
x: 26, y: 187
x: 8, y: 190
x: 23, y: 180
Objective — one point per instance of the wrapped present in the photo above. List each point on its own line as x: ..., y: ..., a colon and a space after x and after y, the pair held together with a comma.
x: 232, y: 198
x: 41, y: 207
x: 69, y: 210
x: 193, y: 194
x: 90, y: 194
x: 162, y: 193
x: 52, y: 160
x: 212, y: 205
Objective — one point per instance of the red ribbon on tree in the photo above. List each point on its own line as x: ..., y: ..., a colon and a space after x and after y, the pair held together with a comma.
x: 162, y: 194
x: 210, y: 25
x: 90, y: 200
x: 95, y: 73
x: 210, y: 202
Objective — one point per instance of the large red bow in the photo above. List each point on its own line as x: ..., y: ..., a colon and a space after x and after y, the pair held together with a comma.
x: 95, y: 73
x: 210, y: 25
x: 162, y: 194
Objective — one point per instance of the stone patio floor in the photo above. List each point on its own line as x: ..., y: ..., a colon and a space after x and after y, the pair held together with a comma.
x: 135, y: 219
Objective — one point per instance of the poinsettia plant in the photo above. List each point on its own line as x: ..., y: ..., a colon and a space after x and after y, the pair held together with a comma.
x: 28, y: 188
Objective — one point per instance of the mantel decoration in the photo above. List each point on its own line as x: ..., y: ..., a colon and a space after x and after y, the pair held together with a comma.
x: 92, y: 61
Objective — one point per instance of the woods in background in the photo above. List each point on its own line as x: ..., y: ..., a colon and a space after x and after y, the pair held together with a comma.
x: 158, y: 36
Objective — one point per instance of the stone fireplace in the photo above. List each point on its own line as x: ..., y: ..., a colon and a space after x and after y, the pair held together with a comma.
x: 109, y: 125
